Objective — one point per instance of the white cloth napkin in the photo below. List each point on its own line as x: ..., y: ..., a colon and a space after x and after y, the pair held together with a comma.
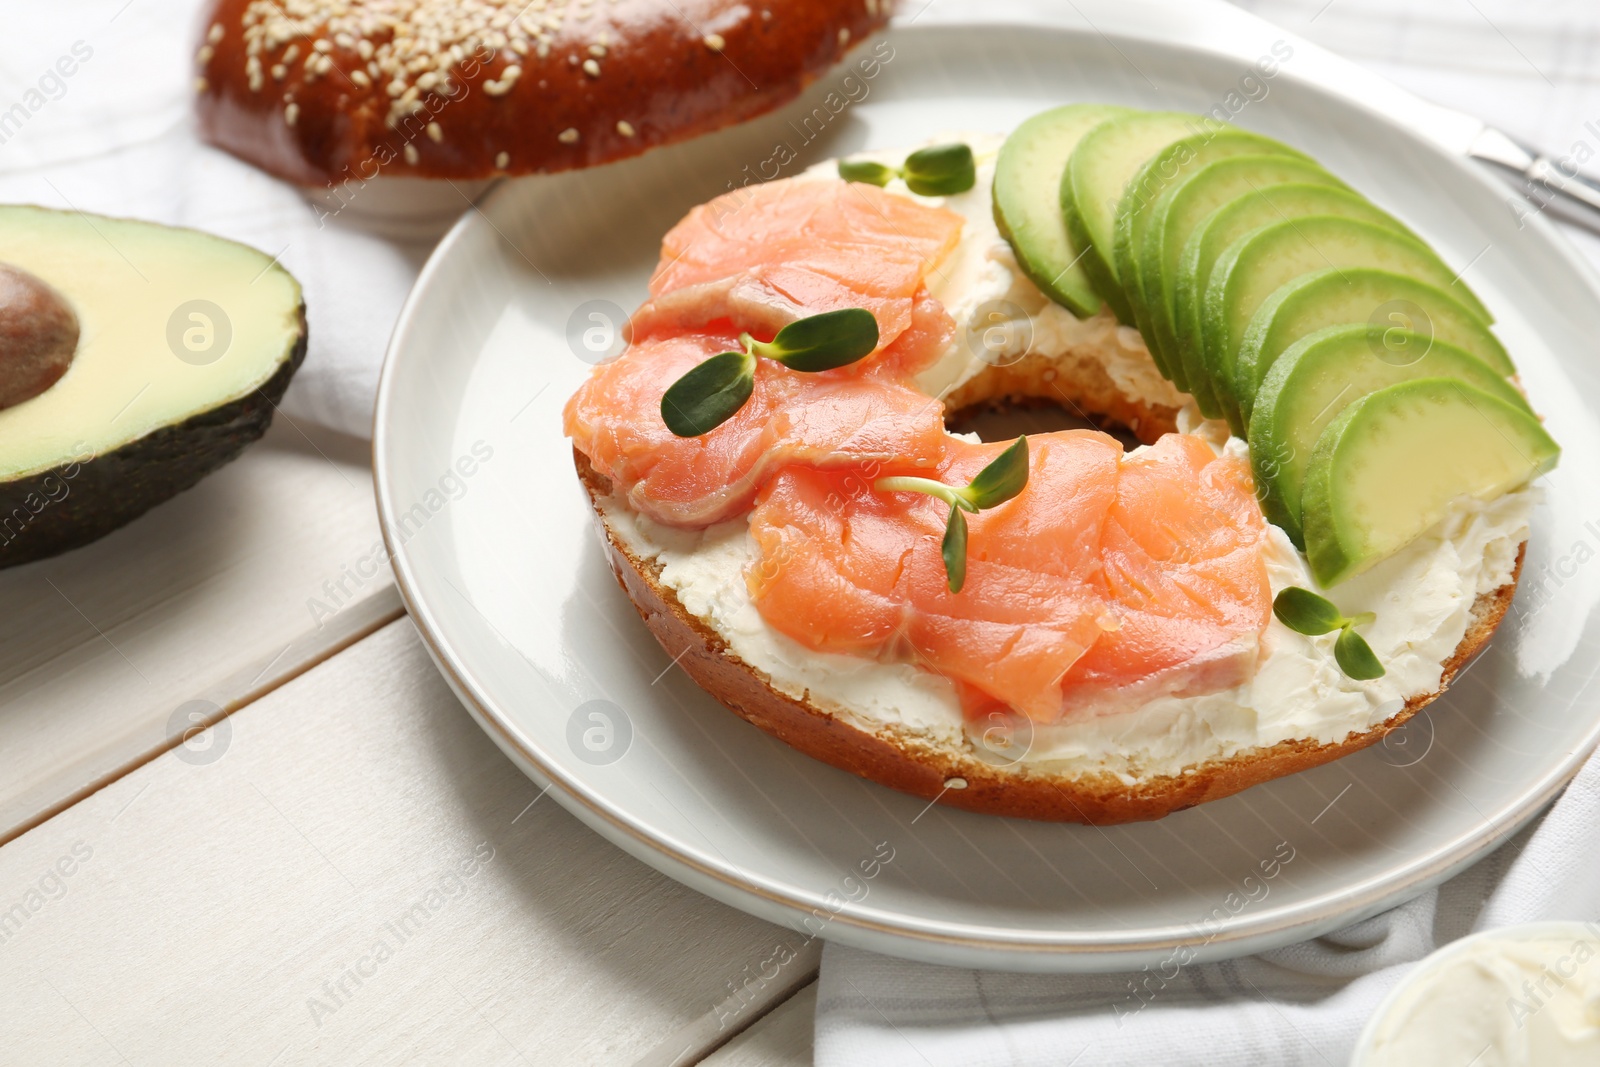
x: 1531, y: 70
x: 117, y: 136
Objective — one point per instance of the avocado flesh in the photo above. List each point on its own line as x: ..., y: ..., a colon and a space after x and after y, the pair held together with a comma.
x: 1102, y: 165
x: 1027, y: 201
x: 131, y: 423
x: 1333, y: 297
x: 1167, y: 170
x: 1256, y: 266
x: 1324, y: 373
x: 1393, y: 464
x: 1218, y: 234
x: 1174, y: 216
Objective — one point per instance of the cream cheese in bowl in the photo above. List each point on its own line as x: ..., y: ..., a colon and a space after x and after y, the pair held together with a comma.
x: 1523, y: 996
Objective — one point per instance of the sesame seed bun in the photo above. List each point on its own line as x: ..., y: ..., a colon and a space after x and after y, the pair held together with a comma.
x: 473, y: 89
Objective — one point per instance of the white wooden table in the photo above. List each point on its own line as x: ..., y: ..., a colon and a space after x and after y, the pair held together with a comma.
x: 342, y: 869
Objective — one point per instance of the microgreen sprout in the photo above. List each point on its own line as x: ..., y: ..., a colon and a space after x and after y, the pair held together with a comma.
x: 1004, y: 477
x: 715, y: 389
x: 937, y: 171
x: 1305, y: 612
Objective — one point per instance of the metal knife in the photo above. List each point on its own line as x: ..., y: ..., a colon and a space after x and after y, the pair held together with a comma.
x: 1547, y: 183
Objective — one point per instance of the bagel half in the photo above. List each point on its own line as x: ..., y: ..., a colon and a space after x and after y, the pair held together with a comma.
x: 904, y: 760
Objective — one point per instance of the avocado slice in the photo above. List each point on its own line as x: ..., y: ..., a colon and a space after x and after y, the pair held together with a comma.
x: 1179, y: 209
x: 1168, y: 169
x: 1027, y: 201
x: 1325, y: 372
x: 185, y: 344
x: 1391, y: 465
x: 1351, y: 295
x: 1216, y: 234
x: 1258, y: 264
x: 1098, y: 173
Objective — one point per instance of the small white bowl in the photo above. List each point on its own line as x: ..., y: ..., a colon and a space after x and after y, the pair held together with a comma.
x: 1430, y: 968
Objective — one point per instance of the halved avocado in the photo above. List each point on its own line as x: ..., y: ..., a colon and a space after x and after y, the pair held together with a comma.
x: 1325, y: 372
x: 1168, y: 169
x: 1182, y: 207
x: 1333, y: 297
x: 1219, y: 232
x: 1101, y: 166
x: 1257, y: 265
x: 1391, y: 466
x: 185, y: 344
x: 1027, y: 201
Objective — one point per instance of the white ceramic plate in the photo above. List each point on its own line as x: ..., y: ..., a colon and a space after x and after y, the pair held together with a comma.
x: 498, y: 561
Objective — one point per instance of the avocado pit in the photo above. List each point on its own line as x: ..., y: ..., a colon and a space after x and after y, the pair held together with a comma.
x: 38, y: 336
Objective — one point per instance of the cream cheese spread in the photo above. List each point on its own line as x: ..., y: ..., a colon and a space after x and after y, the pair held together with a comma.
x: 1423, y: 596
x: 1525, y: 997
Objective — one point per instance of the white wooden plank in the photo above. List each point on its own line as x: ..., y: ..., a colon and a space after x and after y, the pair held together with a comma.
x: 209, y: 597
x: 350, y: 872
x: 781, y: 1038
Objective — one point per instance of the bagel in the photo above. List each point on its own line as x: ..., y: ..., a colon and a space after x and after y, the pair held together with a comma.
x: 898, y: 724
x: 318, y: 92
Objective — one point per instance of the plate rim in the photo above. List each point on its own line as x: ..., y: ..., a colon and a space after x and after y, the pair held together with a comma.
x: 978, y: 944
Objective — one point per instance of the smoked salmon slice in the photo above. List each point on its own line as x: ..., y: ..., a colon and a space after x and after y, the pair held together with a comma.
x: 766, y: 255
x: 844, y: 417
x: 1104, y: 573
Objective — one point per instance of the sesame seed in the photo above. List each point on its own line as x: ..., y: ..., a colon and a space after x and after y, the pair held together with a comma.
x: 503, y: 160
x: 625, y: 128
x: 279, y: 71
x: 435, y: 132
x: 200, y: 85
x: 291, y: 53
x: 323, y: 46
x: 714, y: 42
x: 359, y: 76
x: 215, y: 33
x: 568, y: 135
x: 591, y: 68
x: 291, y: 114
x: 597, y: 50
x: 844, y: 35
x: 411, y: 154
x: 203, y: 56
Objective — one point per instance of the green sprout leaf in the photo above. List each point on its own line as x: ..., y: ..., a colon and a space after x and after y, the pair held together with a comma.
x: 1305, y: 612
x: 1003, y: 478
x: 709, y: 394
x: 865, y: 171
x: 954, y: 550
x: 1355, y: 656
x: 822, y: 342
x: 941, y: 170
x: 713, y: 391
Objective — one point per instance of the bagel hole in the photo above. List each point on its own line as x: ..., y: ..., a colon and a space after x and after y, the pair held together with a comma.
x: 1005, y: 420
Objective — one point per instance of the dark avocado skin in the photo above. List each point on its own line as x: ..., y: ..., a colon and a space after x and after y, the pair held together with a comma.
x: 111, y: 490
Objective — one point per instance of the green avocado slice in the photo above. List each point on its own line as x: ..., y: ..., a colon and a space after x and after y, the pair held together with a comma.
x: 1173, y: 217
x: 1258, y: 264
x: 1165, y: 172
x: 1098, y: 173
x: 186, y: 343
x: 1325, y: 372
x: 1027, y: 201
x: 1394, y: 462
x: 1220, y: 231
x: 1333, y: 297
